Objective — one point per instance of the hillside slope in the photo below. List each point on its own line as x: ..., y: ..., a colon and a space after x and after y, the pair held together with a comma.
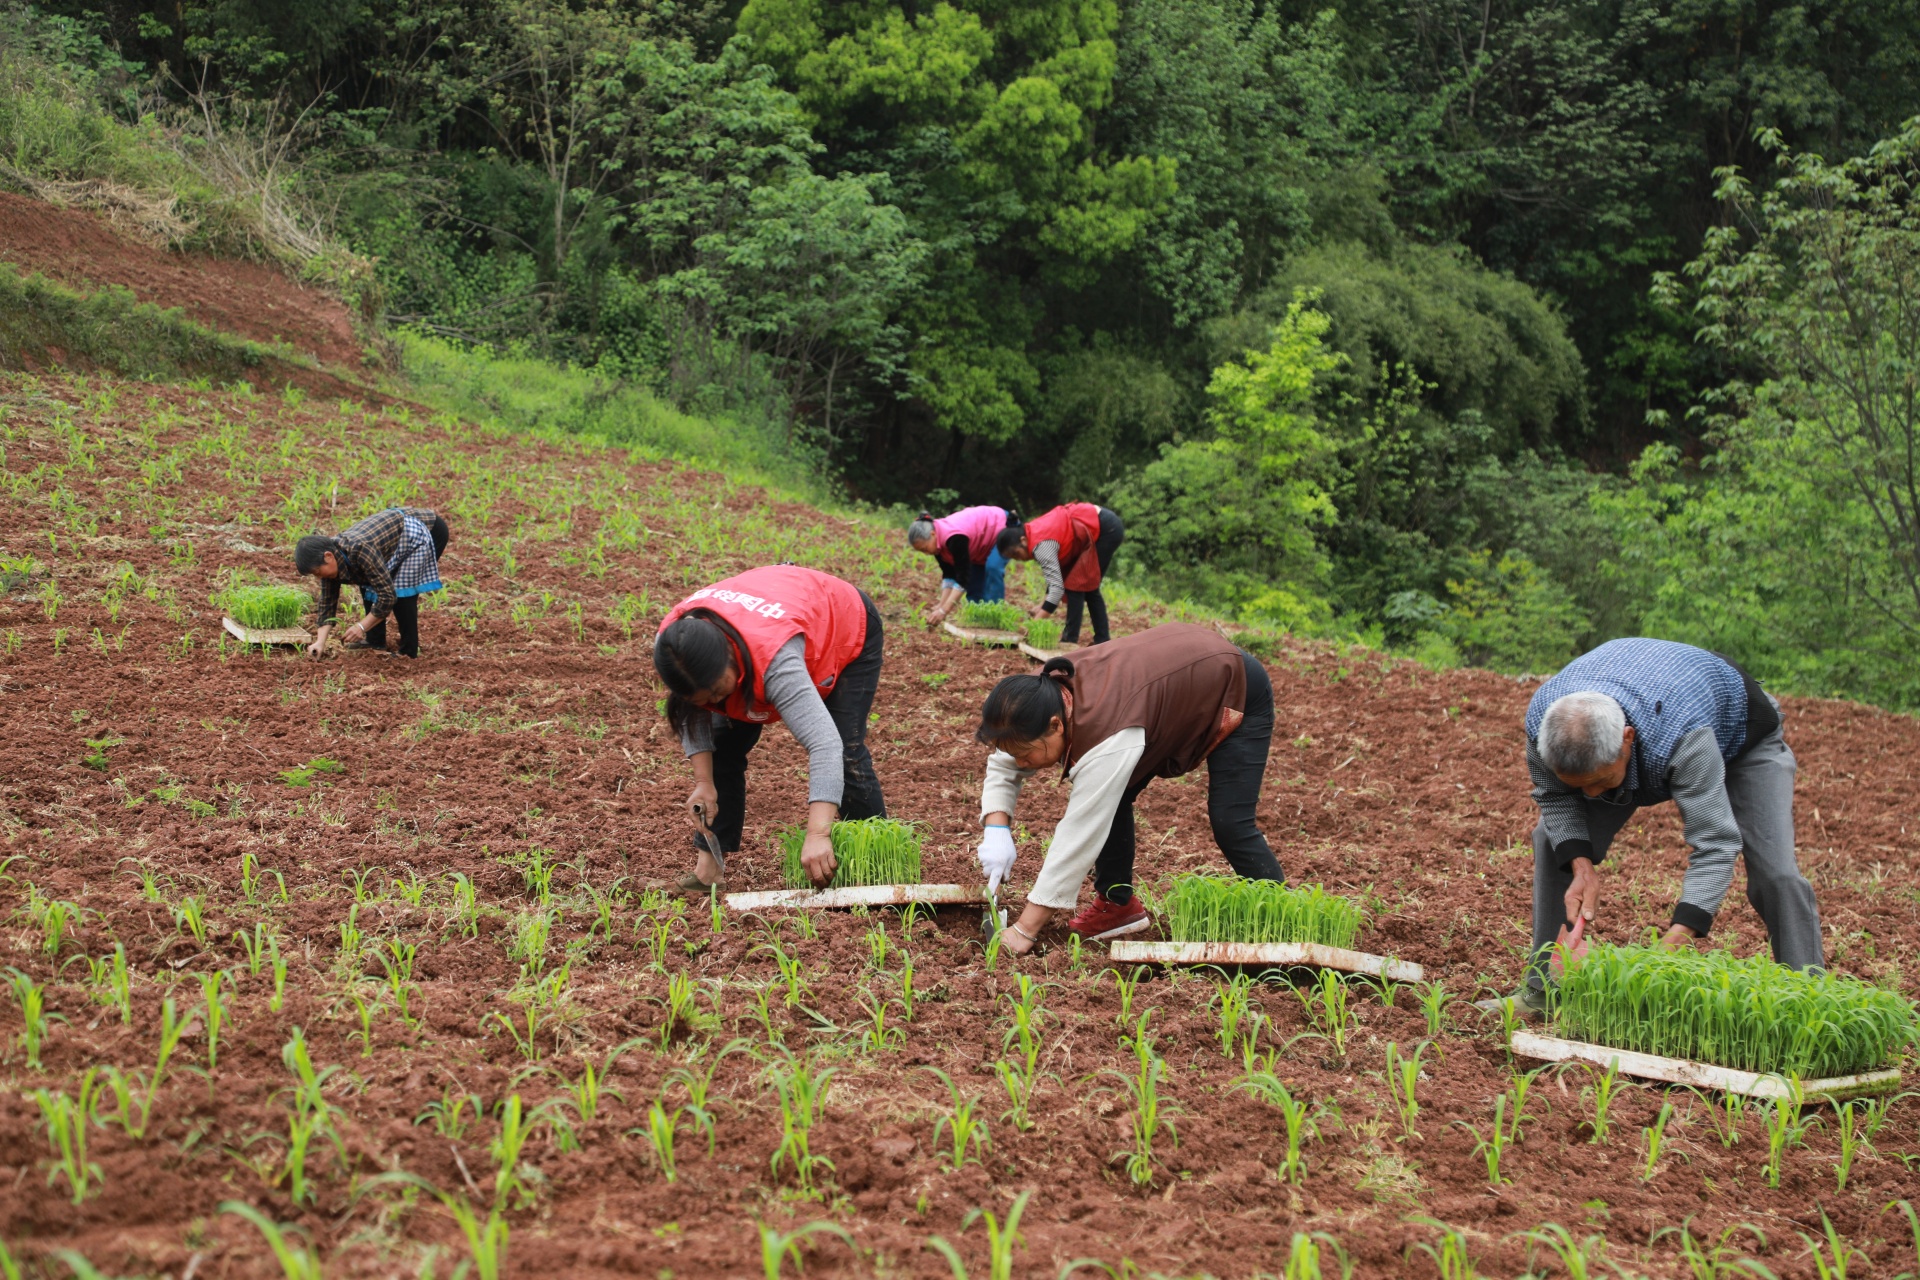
x: 149, y: 764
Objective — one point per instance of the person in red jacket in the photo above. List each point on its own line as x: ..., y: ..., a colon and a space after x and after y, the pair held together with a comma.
x: 778, y: 643
x: 1073, y: 545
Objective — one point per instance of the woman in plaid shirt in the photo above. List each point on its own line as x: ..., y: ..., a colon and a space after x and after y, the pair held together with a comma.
x: 393, y: 556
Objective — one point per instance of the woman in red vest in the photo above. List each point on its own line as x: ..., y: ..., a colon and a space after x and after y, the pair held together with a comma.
x: 1153, y: 705
x: 1073, y: 544
x: 779, y: 643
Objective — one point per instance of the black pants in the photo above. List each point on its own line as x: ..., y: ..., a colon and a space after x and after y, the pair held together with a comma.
x: 849, y: 702
x: 1234, y: 771
x: 1113, y: 531
x: 406, y: 610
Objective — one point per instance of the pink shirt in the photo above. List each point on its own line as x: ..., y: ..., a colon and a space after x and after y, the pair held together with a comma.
x: 980, y: 525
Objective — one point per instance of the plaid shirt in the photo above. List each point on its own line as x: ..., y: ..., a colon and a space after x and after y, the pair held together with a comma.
x: 365, y: 548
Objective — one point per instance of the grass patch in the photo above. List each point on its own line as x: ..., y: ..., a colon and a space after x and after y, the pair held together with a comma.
x: 1043, y: 633
x: 1747, y: 1013
x: 869, y: 851
x: 304, y: 774
x: 1221, y: 909
x: 264, y: 608
x: 50, y: 324
x: 996, y: 615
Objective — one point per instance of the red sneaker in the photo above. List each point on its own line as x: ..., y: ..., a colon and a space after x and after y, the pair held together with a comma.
x: 1106, y: 919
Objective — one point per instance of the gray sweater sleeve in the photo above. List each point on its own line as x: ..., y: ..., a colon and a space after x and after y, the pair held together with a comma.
x: 1697, y: 779
x: 1563, y: 812
x: 1047, y: 556
x: 793, y: 694
x: 698, y: 735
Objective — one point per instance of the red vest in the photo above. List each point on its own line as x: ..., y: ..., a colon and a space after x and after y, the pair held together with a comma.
x: 769, y: 607
x: 1075, y: 526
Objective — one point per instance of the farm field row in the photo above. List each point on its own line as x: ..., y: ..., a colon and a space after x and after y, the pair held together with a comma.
x: 364, y: 944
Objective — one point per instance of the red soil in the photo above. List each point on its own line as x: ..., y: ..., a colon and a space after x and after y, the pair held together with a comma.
x: 255, y: 300
x: 1383, y: 776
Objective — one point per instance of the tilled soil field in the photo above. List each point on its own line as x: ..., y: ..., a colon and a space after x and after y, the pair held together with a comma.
x: 479, y: 1005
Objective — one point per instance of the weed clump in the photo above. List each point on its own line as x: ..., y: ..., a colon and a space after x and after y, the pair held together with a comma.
x: 266, y: 608
x: 1043, y: 633
x: 1221, y: 909
x: 1746, y: 1013
x: 868, y: 851
x: 995, y: 615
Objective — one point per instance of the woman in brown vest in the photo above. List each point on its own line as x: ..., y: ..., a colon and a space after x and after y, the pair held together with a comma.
x: 1152, y: 705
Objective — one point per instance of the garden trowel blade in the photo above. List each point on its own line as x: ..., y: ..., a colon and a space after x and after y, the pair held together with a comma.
x: 709, y: 839
x: 992, y: 918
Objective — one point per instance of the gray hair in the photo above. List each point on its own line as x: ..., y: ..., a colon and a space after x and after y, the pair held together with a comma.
x: 1581, y: 733
x: 921, y: 529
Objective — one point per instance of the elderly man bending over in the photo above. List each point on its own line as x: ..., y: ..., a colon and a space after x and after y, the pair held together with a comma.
x: 1636, y: 722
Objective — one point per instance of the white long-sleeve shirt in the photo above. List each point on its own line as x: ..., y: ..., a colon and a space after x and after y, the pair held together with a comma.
x: 1099, y: 783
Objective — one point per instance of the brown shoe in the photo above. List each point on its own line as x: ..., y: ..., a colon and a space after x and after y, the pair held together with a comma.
x: 688, y: 884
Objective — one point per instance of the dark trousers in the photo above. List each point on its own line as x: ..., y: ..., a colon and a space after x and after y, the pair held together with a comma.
x: 1113, y: 531
x: 406, y: 610
x: 1234, y: 771
x: 849, y: 703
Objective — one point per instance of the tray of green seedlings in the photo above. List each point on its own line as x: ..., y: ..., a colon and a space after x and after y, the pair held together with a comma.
x: 1042, y: 639
x: 1719, y: 1021
x: 265, y: 614
x: 988, y: 622
x: 1229, y: 920
x: 878, y: 864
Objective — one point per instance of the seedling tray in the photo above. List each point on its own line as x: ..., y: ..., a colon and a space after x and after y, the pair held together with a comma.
x: 1043, y: 655
x: 974, y: 635
x: 1701, y: 1075
x: 865, y: 895
x: 1272, y: 955
x: 276, y: 635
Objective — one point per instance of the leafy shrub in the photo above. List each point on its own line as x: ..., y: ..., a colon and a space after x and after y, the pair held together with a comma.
x: 1222, y: 909
x: 266, y: 608
x: 997, y: 615
x: 868, y: 850
x: 1043, y: 633
x: 1747, y: 1013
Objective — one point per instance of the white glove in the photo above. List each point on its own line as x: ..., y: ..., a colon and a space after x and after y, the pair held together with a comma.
x: 996, y: 855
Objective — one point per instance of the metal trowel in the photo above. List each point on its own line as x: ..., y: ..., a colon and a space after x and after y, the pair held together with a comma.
x: 992, y: 918
x: 711, y: 841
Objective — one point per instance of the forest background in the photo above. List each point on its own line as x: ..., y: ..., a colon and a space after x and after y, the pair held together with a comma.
x: 1483, y: 331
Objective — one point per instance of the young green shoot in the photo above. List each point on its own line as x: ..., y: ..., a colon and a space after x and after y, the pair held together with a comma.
x: 297, y: 1262
x: 965, y: 1130
x: 1002, y: 1239
x: 1234, y: 996
x: 1201, y: 908
x: 1300, y: 1119
x: 67, y: 1120
x: 1654, y: 1137
x: 1604, y: 1089
x: 1491, y: 1146
x: 802, y: 1091
x: 1403, y: 1080
x: 31, y: 998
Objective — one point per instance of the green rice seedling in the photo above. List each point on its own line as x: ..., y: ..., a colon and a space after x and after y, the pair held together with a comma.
x: 264, y: 608
x: 1491, y: 1146
x: 1329, y: 1002
x: 1746, y: 1013
x: 877, y: 947
x: 397, y: 962
x: 1510, y: 1022
x: 1025, y: 1017
x: 1403, y: 1080
x: 1126, y: 987
x: 110, y: 982
x: 878, y: 1036
x: 1452, y: 1256
x: 716, y: 912
x: 802, y: 1091
x: 1002, y: 1239
x: 1150, y: 1113
x: 991, y: 615
x: 1721, y: 1260
x: 866, y: 851
x: 486, y: 1237
x: 1523, y: 1082
x: 659, y: 930
x: 516, y: 1126
x: 1579, y: 1259
x: 1234, y: 996
x: 465, y: 903
x: 253, y: 946
x: 412, y: 890
x: 1913, y: 1234
x: 279, y: 964
x: 130, y: 1109
x: 297, y: 1262
x: 906, y: 985
x: 793, y: 970
x: 776, y: 1247
x: 1604, y: 1089
x: 249, y: 877
x: 1434, y: 999
x: 213, y: 993
x: 1833, y: 1257
x: 1301, y: 1120
x: 1043, y: 633
x: 1846, y: 1121
x: 661, y: 1128
x: 529, y: 946
x: 54, y: 918
x: 1654, y: 1136
x: 453, y: 1114
x: 310, y: 1082
x: 966, y: 1132
x: 1308, y: 1255
x: 1787, y: 1126
x: 1726, y: 1112
x: 698, y: 1084
x: 1204, y: 908
x: 365, y: 1010
x: 994, y: 945
x: 67, y: 1120
x: 35, y: 1021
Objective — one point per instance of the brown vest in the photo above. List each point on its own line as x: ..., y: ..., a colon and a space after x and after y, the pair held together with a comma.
x: 1185, y: 685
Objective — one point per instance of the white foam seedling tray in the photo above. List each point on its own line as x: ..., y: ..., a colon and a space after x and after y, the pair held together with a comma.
x: 1701, y: 1075
x: 275, y: 635
x: 975, y: 636
x: 1269, y: 954
x: 867, y: 895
